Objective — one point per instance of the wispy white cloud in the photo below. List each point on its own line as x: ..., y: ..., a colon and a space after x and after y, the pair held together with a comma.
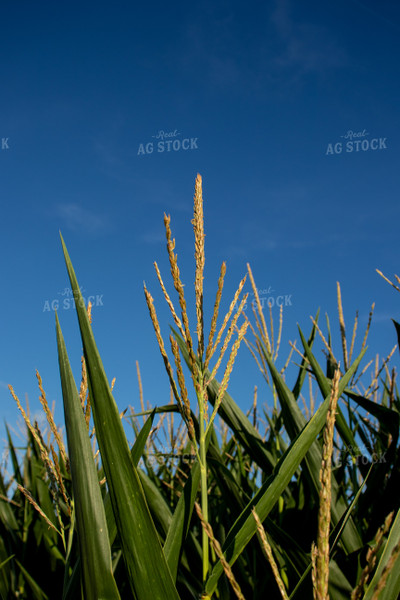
x: 78, y: 218
x: 285, y: 44
x: 4, y: 385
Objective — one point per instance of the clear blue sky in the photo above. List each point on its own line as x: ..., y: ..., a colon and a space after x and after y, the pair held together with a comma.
x: 264, y: 94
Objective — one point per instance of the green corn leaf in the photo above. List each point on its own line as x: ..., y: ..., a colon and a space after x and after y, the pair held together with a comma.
x: 237, y: 500
x: 141, y: 439
x: 384, y: 451
x: 44, y: 499
x: 350, y: 539
x: 303, y: 366
x: 7, y: 516
x: 389, y: 419
x: 17, y: 471
x: 167, y: 408
x: 325, y: 386
x: 397, y: 327
x: 148, y: 572
x: 95, y: 552
x: 158, y: 505
x: 136, y: 453
x: 179, y: 526
x: 244, y: 527
x: 3, y: 564
x: 295, y: 421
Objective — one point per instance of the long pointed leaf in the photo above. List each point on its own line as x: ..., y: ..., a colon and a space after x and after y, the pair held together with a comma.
x: 245, y: 526
x: 303, y: 365
x: 350, y: 537
x: 95, y: 552
x: 136, y: 453
x: 148, y: 571
x: 324, y: 386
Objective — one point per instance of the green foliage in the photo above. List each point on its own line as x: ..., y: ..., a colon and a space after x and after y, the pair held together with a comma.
x: 171, y: 516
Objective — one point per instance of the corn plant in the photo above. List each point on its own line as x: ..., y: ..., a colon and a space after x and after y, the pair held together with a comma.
x: 295, y: 501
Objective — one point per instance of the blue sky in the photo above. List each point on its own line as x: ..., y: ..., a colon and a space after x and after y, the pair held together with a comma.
x: 290, y: 112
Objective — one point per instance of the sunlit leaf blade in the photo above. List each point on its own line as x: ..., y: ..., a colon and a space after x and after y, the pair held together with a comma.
x: 245, y: 526
x: 136, y: 453
x: 147, y: 568
x: 140, y: 442
x: 91, y: 524
x: 325, y: 386
x: 350, y: 537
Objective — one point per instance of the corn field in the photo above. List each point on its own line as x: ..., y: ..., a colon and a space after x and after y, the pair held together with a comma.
x: 296, y: 500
